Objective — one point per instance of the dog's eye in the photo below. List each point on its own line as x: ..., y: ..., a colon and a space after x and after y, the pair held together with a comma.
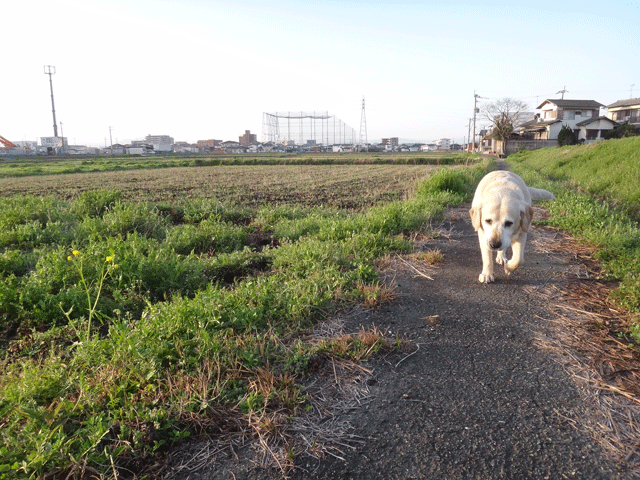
x: 488, y: 221
x: 508, y: 224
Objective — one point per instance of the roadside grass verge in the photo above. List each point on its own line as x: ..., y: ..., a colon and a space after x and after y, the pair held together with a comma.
x: 132, y: 326
x: 598, y: 202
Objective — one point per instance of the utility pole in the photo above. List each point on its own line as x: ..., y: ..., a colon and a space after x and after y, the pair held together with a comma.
x: 62, y: 139
x: 475, y: 111
x: 631, y: 93
x: 469, y: 134
x: 51, y: 70
x: 111, y: 140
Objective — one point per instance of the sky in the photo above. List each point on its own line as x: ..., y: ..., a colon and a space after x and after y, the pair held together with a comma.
x: 200, y: 69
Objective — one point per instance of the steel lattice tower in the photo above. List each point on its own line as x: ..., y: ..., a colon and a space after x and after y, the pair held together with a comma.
x: 363, y: 127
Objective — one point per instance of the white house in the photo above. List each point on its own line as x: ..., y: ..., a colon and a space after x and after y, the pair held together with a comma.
x: 431, y: 147
x: 593, y: 129
x: 556, y: 113
x: 443, y: 143
x: 136, y: 149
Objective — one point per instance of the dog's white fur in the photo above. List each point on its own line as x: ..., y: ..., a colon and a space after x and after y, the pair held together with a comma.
x: 501, y: 213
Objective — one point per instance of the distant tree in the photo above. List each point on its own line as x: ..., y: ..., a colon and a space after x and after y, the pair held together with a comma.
x: 504, y: 115
x: 566, y: 136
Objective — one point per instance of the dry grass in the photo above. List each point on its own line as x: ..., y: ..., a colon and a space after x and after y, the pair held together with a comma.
x: 585, y: 337
x: 376, y: 294
x: 272, y: 438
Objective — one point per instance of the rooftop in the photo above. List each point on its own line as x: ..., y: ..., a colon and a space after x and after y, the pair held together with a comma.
x: 625, y: 103
x: 561, y: 103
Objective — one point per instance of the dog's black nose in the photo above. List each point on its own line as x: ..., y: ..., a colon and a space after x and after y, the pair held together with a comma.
x: 495, y: 245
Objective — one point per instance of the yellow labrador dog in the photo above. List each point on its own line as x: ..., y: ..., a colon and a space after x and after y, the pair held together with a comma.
x: 501, y: 213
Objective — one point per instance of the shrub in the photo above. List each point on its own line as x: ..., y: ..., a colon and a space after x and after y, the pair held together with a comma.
x: 622, y: 131
x: 567, y: 136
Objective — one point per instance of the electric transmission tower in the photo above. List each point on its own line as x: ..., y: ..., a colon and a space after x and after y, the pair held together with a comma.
x: 363, y: 129
x: 51, y: 70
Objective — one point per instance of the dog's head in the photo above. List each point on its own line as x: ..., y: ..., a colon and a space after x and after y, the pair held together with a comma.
x: 500, y: 220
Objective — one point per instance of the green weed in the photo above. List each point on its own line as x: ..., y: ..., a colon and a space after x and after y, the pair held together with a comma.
x: 134, y: 324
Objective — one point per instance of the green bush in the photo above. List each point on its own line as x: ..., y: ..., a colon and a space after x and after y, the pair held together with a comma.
x: 566, y: 136
x: 621, y: 131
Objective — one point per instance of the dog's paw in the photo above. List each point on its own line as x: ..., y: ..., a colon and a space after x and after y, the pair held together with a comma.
x: 511, y: 266
x: 486, y: 278
x: 501, y: 258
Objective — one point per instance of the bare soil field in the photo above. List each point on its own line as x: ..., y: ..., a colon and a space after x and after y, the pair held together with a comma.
x: 344, y: 186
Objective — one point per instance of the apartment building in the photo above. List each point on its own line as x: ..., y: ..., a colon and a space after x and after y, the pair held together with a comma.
x: 248, y: 138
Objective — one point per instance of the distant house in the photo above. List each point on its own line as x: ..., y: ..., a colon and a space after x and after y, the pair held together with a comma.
x: 443, y: 143
x: 116, y: 149
x: 255, y: 147
x: 556, y: 113
x: 342, y: 148
x: 593, y: 129
x: 268, y: 147
x: 232, y: 147
x: 206, y: 146
x: 431, y: 147
x: 184, y: 147
x: 137, y: 149
x: 625, y: 111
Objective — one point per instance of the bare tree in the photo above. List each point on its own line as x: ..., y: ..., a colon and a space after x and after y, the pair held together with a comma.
x: 505, y: 115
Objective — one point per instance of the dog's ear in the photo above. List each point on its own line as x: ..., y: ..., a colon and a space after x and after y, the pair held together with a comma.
x: 525, y: 218
x: 476, y: 217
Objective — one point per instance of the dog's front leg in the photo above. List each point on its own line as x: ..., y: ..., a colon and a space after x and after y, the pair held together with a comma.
x: 487, y: 275
x: 517, y: 246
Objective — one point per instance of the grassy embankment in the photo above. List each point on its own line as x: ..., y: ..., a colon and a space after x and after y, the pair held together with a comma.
x: 598, y: 200
x: 129, y: 326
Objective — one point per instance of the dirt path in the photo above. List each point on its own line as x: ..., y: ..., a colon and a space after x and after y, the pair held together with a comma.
x: 477, y: 397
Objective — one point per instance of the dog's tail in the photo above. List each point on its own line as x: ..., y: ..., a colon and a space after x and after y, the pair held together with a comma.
x: 540, y: 194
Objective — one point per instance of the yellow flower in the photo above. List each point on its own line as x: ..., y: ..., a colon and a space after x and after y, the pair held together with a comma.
x: 69, y: 258
x: 116, y: 266
x: 75, y: 253
x: 109, y: 258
